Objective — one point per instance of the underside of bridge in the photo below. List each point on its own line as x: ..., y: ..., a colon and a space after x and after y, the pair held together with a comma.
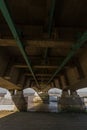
x: 43, y: 44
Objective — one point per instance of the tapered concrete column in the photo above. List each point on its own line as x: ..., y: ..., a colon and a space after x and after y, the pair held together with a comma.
x: 83, y: 62
x: 77, y: 103
x: 45, y: 97
x: 71, y: 102
x: 12, y: 92
x: 65, y: 93
x: 72, y: 75
x: 73, y: 93
x: 19, y: 101
x: 63, y: 103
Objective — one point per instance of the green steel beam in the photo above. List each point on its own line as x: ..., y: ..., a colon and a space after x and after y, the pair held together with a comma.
x: 7, y: 16
x: 75, y: 47
x: 51, y: 16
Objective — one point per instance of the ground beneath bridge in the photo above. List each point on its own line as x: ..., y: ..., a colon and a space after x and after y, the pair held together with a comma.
x: 44, y: 121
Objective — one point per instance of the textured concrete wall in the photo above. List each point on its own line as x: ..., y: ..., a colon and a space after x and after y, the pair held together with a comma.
x: 71, y: 102
x: 4, y: 58
x: 14, y: 75
x: 73, y: 76
x: 83, y: 61
x: 19, y: 101
x: 63, y: 82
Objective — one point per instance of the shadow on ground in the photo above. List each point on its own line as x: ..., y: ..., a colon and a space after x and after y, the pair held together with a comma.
x: 44, y: 121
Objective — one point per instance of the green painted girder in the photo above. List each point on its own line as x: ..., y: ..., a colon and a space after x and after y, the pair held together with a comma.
x: 8, y: 18
x: 75, y: 47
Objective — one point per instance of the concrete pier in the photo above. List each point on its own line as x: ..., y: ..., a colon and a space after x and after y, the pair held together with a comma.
x: 71, y: 102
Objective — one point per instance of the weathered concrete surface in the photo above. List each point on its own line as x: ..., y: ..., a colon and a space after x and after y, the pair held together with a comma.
x: 44, y: 121
x: 71, y: 102
x: 19, y: 101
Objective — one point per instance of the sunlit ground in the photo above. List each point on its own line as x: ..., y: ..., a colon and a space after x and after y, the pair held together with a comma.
x: 5, y: 113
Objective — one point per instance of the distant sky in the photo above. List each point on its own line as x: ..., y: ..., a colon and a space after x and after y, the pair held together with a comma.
x: 82, y: 90
x: 2, y: 90
x: 55, y: 90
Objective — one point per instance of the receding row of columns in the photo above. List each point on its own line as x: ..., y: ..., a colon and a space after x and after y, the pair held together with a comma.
x: 69, y: 100
x: 69, y: 76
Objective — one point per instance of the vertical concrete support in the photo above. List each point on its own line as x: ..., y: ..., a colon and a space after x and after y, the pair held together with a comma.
x: 66, y: 77
x: 4, y: 59
x: 73, y: 93
x: 72, y: 75
x: 79, y: 69
x: 19, y: 101
x: 60, y: 83
x: 14, y: 74
x: 45, y: 97
x: 28, y: 83
x: 63, y: 102
x: 21, y: 80
x: 83, y: 62
x: 57, y: 85
x: 12, y: 92
x: 71, y: 102
x: 63, y: 82
x: 7, y: 73
x: 11, y: 73
x: 65, y: 93
x: 52, y: 84
x: 77, y: 102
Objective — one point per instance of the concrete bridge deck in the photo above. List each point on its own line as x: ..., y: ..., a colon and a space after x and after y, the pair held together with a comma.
x: 44, y: 121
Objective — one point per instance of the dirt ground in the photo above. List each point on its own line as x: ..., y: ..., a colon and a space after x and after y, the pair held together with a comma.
x: 44, y: 121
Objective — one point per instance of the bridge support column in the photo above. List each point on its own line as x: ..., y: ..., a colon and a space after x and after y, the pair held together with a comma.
x: 63, y: 103
x: 77, y: 102
x: 71, y: 102
x: 45, y: 97
x: 19, y: 101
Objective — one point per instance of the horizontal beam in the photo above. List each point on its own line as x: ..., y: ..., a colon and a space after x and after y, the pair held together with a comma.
x: 8, y: 85
x: 37, y: 43
x: 37, y: 31
x: 36, y: 67
x: 39, y: 75
x: 40, y: 81
x: 40, y: 78
x: 39, y: 28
